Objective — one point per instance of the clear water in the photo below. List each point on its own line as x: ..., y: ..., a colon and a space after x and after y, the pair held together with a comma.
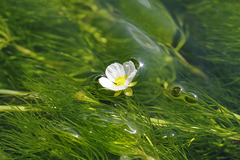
x: 185, y: 102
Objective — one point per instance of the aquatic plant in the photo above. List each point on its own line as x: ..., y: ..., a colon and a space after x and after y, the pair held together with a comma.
x: 119, y: 78
x: 53, y: 55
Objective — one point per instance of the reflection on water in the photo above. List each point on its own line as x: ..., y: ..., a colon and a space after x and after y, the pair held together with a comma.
x: 131, y: 130
x: 141, y: 38
x: 141, y: 64
x: 125, y: 157
x: 145, y: 3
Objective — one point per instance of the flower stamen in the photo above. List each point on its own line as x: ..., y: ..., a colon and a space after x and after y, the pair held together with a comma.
x: 120, y: 80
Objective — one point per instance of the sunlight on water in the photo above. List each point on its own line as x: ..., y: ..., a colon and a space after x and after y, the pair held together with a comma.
x: 145, y: 3
x: 141, y: 38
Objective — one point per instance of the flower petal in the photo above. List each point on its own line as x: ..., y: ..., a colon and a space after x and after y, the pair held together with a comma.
x: 129, y: 67
x: 106, y: 83
x: 114, y: 70
x: 130, y: 77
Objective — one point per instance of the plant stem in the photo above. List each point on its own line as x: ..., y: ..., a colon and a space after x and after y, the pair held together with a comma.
x: 217, y: 130
x: 11, y: 92
x: 193, y: 69
x: 18, y: 93
x: 4, y: 108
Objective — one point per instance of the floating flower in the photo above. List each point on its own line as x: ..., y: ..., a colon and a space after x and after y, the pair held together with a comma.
x: 119, y: 78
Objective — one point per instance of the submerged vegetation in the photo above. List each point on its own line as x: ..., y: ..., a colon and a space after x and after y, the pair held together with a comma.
x: 185, y: 104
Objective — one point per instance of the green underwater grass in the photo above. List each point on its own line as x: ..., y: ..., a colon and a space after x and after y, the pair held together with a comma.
x: 53, y: 107
x: 214, y: 34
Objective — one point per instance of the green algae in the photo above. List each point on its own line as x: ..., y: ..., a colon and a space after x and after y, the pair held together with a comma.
x: 52, y: 51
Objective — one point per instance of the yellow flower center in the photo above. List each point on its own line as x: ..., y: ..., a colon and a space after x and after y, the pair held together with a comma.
x: 120, y: 80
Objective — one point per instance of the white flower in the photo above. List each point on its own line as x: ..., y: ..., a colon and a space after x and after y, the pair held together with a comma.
x: 119, y: 78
